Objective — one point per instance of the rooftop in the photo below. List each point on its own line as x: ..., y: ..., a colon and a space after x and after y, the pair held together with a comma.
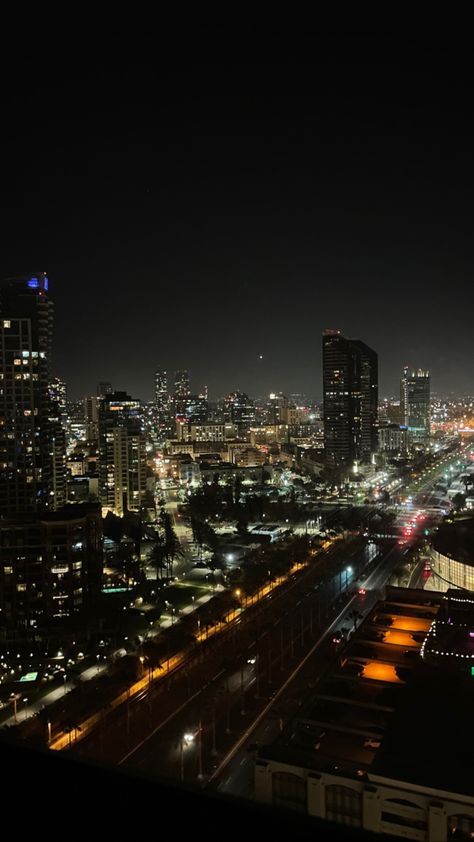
x: 455, y: 538
x: 386, y: 711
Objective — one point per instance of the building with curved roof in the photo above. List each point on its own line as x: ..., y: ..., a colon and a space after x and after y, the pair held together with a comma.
x: 452, y: 554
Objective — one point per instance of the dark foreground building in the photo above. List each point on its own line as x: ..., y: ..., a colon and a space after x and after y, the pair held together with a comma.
x: 50, y: 566
x: 32, y: 446
x: 103, y: 803
x: 350, y: 399
x: 385, y: 744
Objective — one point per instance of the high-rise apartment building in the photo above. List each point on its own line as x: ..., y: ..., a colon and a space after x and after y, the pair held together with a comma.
x: 239, y: 409
x: 350, y: 399
x: 182, y: 384
x: 182, y: 391
x: 415, y: 403
x: 31, y: 457
x: 161, y: 389
x: 91, y: 417
x: 50, y: 565
x: 58, y: 395
x: 58, y: 421
x: 122, y: 454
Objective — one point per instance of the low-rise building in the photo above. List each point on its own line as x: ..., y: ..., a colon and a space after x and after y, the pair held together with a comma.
x: 385, y: 740
x: 394, y: 438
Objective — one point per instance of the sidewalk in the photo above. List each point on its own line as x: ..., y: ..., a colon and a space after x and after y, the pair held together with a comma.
x: 25, y: 710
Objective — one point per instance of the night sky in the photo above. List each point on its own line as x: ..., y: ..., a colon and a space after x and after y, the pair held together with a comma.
x: 205, y: 198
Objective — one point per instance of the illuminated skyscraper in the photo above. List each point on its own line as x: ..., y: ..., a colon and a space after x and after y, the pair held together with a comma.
x: 415, y: 403
x: 350, y: 392
x: 31, y: 448
x: 182, y: 384
x: 122, y: 454
x: 239, y: 409
x: 161, y: 389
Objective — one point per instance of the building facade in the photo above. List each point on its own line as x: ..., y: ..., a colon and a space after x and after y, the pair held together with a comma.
x: 350, y: 403
x: 32, y: 467
x: 161, y: 389
x: 393, y: 438
x: 122, y: 454
x: 415, y: 403
x: 50, y: 565
x: 377, y: 804
x: 239, y: 409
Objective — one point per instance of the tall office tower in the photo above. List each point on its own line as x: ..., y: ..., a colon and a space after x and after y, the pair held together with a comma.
x: 196, y: 409
x: 350, y: 399
x: 275, y: 410
x: 58, y: 421
x: 27, y: 425
x: 161, y: 389
x: 58, y: 394
x: 122, y: 454
x: 239, y: 409
x: 104, y: 388
x: 182, y: 391
x: 182, y: 384
x: 91, y: 417
x: 415, y: 404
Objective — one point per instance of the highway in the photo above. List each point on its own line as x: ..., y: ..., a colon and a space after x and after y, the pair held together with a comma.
x: 234, y: 776
x: 194, y: 741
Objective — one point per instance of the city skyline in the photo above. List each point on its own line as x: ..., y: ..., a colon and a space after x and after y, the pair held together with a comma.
x: 220, y: 222
x: 237, y: 429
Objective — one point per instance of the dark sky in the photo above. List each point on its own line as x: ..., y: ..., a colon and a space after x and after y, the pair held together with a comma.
x: 205, y: 198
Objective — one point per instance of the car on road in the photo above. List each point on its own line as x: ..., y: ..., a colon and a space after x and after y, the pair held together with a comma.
x: 337, y: 637
x: 370, y: 743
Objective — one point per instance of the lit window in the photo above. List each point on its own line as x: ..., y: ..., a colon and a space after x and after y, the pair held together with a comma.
x: 7, y: 323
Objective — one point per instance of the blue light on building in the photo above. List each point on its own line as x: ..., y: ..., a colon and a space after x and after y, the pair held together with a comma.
x: 33, y: 283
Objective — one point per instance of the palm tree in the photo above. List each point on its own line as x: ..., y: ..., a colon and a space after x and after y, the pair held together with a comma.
x: 157, y: 559
x: 171, y: 544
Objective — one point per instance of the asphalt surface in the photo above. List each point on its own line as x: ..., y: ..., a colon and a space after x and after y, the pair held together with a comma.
x: 246, y: 686
x: 236, y: 776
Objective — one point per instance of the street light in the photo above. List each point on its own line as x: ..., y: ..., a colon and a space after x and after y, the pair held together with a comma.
x: 14, y: 698
x: 185, y: 741
x: 25, y: 703
x: 144, y: 658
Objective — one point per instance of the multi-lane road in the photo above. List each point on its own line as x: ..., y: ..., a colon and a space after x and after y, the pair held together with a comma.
x: 253, y: 683
x: 235, y: 774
